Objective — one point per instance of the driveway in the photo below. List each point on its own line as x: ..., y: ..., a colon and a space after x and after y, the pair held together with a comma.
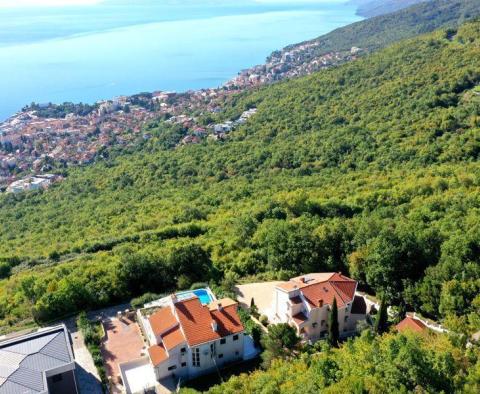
x: 123, y: 342
x: 86, y: 372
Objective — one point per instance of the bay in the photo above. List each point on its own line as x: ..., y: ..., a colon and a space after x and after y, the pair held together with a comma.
x: 102, y: 51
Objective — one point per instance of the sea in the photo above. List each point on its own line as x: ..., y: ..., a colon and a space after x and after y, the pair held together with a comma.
x: 86, y: 53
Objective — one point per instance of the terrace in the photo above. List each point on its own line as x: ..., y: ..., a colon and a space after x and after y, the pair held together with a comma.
x: 123, y: 343
x: 205, y: 295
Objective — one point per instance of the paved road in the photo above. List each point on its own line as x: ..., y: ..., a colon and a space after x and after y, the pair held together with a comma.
x: 88, y: 379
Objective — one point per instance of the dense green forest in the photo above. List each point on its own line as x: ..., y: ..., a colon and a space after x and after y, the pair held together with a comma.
x: 370, y: 168
x: 383, y: 30
x: 403, y: 363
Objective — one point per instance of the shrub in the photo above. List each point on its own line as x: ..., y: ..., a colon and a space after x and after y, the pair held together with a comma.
x: 264, y: 320
x: 138, y: 302
x: 198, y: 285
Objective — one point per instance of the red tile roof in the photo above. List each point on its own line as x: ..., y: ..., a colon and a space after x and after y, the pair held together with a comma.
x: 321, y: 293
x: 162, y: 320
x: 224, y: 302
x: 290, y: 285
x: 173, y: 338
x: 196, y: 321
x: 322, y: 288
x: 345, y: 289
x: 410, y: 323
x: 228, y: 321
x: 157, y: 354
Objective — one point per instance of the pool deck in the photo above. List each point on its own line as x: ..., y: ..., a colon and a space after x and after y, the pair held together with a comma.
x: 182, y: 295
x: 202, y: 294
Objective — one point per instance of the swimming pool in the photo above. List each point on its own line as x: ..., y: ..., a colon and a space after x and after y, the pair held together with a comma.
x: 205, y: 295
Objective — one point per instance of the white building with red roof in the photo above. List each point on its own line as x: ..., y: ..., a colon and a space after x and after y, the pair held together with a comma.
x: 188, y: 338
x: 304, y: 302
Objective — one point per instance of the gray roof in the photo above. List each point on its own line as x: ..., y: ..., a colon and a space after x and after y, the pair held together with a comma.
x: 24, y: 360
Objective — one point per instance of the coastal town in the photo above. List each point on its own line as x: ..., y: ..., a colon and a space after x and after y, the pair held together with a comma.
x: 32, y: 144
x: 291, y: 62
x: 46, y: 138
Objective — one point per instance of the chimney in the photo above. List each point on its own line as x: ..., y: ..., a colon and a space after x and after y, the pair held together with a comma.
x: 219, y: 306
x: 303, y: 279
x: 214, y: 326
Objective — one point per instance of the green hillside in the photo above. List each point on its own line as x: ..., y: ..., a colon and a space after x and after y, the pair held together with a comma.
x: 404, y: 363
x: 370, y: 169
x: 383, y: 30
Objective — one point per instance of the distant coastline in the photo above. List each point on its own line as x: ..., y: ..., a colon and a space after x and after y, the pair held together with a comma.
x: 61, y: 70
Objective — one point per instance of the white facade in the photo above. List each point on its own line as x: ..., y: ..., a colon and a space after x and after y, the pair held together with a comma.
x: 28, y: 184
x: 202, y: 359
x: 176, y: 351
x: 291, y: 306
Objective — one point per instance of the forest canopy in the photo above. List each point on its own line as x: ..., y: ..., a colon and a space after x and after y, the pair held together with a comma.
x: 370, y: 168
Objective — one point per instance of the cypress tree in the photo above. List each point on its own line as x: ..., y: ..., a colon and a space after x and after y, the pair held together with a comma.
x: 253, y: 308
x: 382, y: 318
x: 333, y: 334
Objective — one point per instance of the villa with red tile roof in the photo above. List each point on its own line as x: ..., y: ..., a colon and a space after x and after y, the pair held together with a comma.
x: 304, y: 303
x: 188, y: 338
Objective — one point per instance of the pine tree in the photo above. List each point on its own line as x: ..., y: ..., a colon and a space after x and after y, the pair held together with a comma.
x: 333, y: 334
x: 382, y: 318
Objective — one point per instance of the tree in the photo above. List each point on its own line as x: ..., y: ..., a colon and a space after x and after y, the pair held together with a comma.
x: 280, y: 342
x: 381, y: 322
x: 192, y: 262
x: 253, y: 308
x: 333, y: 333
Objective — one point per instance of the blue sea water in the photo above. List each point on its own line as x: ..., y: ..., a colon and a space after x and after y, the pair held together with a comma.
x: 88, y: 53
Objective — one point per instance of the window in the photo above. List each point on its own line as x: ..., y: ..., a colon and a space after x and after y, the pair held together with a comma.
x: 237, y: 353
x: 183, y: 350
x: 220, y: 356
x: 196, y: 357
x: 184, y: 364
x: 314, y: 325
x: 323, y: 322
x: 346, y: 318
x: 172, y: 367
x: 235, y: 337
x: 223, y: 341
x: 57, y: 378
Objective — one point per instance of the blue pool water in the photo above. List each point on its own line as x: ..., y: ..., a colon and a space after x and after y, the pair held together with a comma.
x: 124, y: 47
x: 202, y: 294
